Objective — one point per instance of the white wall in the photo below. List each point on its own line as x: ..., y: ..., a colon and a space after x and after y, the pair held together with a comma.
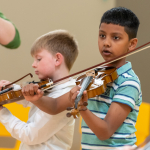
x: 37, y: 17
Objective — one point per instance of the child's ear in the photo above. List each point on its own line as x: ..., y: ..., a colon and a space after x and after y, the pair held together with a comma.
x: 58, y: 59
x: 132, y: 44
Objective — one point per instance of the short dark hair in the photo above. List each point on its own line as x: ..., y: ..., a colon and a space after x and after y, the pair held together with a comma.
x: 123, y: 17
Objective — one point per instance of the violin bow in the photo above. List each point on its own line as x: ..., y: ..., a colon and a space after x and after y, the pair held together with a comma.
x: 103, y: 63
x: 109, y: 61
x: 90, y: 68
x: 18, y: 80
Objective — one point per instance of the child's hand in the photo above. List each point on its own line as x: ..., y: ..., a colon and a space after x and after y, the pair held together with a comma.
x: 2, y: 83
x: 31, y: 92
x: 74, y: 92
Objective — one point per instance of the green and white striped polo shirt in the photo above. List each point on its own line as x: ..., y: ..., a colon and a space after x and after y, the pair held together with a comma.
x: 125, y: 89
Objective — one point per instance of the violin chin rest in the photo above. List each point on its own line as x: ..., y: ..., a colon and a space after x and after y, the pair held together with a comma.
x: 17, y: 87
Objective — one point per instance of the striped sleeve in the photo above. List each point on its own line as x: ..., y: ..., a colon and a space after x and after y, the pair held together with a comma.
x: 127, y: 93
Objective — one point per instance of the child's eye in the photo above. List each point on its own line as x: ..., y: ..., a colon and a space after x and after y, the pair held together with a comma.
x: 38, y: 59
x: 116, y: 38
x: 102, y: 35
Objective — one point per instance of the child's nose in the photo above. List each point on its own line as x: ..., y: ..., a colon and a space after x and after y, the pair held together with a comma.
x: 107, y: 42
x: 34, y: 65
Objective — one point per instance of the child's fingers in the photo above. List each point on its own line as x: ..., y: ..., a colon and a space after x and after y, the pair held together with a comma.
x: 73, y: 93
x: 74, y: 96
x: 33, y: 89
x: 2, y: 83
x: 40, y: 92
x: 25, y: 90
x: 30, y: 89
x: 35, y: 97
x: 75, y: 89
x: 85, y: 96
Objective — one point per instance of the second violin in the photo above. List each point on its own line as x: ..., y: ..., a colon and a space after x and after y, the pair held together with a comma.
x: 14, y: 93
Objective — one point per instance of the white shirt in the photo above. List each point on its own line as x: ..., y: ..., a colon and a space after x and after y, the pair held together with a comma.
x: 42, y: 131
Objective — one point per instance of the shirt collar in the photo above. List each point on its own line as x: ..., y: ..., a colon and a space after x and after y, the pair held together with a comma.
x: 124, y: 68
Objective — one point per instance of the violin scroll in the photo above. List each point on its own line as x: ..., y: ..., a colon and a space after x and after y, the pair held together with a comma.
x: 75, y: 112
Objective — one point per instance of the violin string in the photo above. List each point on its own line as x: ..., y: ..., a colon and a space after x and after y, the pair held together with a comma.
x: 60, y: 82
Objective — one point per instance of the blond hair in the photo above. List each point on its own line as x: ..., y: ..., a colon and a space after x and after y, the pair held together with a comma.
x: 58, y: 41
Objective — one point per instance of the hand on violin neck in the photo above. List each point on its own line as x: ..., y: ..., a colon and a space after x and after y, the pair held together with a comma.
x: 83, y: 102
x: 31, y: 92
x: 3, y: 83
x: 73, y: 94
x: 82, y: 106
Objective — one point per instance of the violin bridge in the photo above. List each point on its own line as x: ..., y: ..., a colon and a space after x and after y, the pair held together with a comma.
x: 49, y: 84
x: 91, y: 73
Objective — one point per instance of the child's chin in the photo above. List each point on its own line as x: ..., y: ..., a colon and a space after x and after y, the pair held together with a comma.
x: 107, y: 59
x: 41, y: 78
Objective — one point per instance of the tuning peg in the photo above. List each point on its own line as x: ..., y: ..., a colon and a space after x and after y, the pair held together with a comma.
x: 68, y: 114
x: 70, y: 108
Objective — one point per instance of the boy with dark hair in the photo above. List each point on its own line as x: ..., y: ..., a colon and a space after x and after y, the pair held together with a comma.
x: 123, y: 17
x: 109, y: 119
x: 51, y: 53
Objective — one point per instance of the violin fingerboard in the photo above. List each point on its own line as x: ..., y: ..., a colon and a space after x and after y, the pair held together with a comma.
x: 85, y: 84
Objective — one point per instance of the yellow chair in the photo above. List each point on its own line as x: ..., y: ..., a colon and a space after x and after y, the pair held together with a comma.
x: 143, y: 123
x: 6, y: 141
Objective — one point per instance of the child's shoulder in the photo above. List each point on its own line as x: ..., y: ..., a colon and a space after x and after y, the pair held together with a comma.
x: 128, y: 77
x: 128, y: 80
x: 126, y: 74
x: 127, y: 86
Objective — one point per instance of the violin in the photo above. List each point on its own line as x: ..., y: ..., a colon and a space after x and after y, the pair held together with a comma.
x: 9, y: 95
x: 103, y: 75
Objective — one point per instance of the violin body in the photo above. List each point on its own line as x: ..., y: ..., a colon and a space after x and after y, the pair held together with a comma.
x: 11, y: 96
x: 104, y: 75
x: 107, y: 77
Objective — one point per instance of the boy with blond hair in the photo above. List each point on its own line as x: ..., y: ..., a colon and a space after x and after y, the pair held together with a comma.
x: 54, y: 54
